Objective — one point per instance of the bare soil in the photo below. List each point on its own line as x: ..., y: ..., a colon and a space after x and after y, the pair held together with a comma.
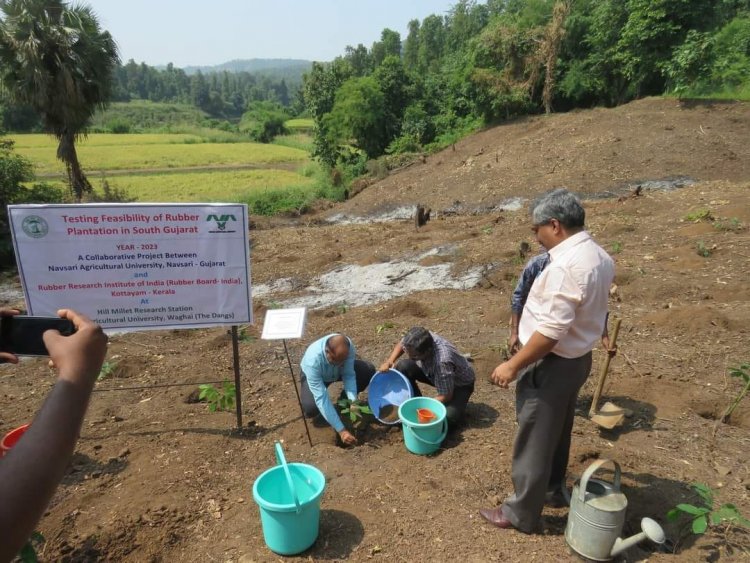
x: 156, y: 478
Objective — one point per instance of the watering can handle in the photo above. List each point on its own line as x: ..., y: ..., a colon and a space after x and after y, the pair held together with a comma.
x: 437, y: 442
x: 281, y: 460
x: 591, y: 470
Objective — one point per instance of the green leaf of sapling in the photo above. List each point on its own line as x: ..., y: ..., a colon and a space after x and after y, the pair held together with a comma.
x: 700, y: 524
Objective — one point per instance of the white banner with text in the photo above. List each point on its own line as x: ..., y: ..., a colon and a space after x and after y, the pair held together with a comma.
x: 136, y: 266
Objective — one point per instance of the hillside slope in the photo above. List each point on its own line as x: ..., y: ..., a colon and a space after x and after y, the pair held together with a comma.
x: 588, y: 151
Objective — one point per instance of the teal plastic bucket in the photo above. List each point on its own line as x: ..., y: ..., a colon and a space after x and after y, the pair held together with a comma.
x: 386, y: 392
x: 423, y: 439
x: 288, y: 497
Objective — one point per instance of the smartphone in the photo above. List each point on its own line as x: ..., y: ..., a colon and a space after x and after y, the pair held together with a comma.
x: 22, y: 335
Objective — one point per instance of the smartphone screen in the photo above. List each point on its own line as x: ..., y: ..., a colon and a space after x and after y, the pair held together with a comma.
x: 22, y: 335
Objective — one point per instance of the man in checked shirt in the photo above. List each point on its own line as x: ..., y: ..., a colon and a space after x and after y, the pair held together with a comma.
x: 434, y: 360
x: 530, y: 272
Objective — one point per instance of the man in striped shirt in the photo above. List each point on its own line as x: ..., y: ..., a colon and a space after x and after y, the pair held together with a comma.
x: 530, y: 272
x: 435, y: 361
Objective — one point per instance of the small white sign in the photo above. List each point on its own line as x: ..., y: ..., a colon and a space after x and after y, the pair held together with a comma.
x: 284, y: 323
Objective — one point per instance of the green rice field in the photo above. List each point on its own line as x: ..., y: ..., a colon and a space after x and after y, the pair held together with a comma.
x: 135, y: 156
x: 205, y: 187
x: 180, y: 167
x: 299, y: 124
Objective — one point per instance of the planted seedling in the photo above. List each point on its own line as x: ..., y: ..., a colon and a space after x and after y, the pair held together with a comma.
x: 699, y: 215
x: 244, y: 336
x: 218, y: 399
x: 733, y: 224
x: 702, y: 249
x: 742, y: 372
x: 355, y: 409
x: 708, y: 513
x: 107, y: 369
x: 385, y: 326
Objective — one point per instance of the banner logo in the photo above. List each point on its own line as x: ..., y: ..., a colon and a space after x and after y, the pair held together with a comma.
x: 221, y: 222
x: 35, y: 226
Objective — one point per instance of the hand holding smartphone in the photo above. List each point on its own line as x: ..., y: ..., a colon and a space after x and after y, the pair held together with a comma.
x: 22, y: 335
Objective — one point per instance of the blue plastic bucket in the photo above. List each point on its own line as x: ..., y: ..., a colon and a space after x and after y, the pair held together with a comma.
x: 387, y: 391
x: 423, y: 439
x: 288, y: 497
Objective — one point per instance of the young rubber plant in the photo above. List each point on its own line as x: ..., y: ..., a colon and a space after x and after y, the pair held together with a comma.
x: 708, y: 513
x: 218, y: 399
x: 355, y: 410
x: 741, y: 372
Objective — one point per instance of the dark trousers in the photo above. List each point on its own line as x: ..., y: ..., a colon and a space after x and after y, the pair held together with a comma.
x: 364, y: 372
x: 546, y: 395
x: 455, y: 408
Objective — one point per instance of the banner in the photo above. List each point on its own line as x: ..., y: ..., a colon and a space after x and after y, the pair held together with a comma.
x: 136, y: 266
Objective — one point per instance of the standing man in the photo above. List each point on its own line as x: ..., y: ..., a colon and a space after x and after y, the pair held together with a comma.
x: 563, y: 318
x: 326, y: 360
x: 435, y: 361
x: 531, y: 271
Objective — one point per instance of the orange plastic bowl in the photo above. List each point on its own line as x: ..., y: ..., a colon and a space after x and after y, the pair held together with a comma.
x: 425, y: 415
x: 11, y: 438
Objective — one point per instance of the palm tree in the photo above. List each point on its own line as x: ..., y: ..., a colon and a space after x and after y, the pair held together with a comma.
x: 55, y: 58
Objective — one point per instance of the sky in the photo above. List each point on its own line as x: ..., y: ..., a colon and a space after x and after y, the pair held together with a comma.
x: 192, y: 32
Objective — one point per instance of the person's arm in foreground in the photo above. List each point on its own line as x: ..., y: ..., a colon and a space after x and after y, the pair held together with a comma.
x: 32, y: 469
x: 396, y: 353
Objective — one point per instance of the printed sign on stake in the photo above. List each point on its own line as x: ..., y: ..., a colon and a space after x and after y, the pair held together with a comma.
x: 281, y: 324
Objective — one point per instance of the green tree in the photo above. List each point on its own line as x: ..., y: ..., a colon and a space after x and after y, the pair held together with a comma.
x: 653, y: 29
x: 263, y: 121
x: 411, y: 46
x: 358, y: 116
x: 389, y: 45
x: 431, y: 43
x: 395, y: 85
x: 359, y: 59
x: 320, y: 86
x: 56, y: 59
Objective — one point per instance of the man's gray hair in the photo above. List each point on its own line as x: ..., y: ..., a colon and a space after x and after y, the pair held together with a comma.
x: 558, y: 204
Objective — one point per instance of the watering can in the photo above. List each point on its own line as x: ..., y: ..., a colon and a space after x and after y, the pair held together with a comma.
x: 597, y: 515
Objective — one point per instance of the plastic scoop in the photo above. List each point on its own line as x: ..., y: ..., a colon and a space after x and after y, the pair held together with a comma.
x: 425, y: 415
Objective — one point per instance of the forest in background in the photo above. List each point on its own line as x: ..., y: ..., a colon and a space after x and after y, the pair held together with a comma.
x: 485, y: 62
x: 480, y: 63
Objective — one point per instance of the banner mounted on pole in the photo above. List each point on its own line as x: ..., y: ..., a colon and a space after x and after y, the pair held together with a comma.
x: 136, y: 266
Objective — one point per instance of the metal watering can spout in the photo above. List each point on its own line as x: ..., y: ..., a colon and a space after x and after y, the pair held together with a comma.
x: 650, y: 530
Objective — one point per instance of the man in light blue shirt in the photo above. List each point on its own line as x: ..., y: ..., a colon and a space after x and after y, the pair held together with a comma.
x: 329, y: 359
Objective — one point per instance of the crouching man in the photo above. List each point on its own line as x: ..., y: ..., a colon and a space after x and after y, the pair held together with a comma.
x: 329, y: 359
x: 435, y: 361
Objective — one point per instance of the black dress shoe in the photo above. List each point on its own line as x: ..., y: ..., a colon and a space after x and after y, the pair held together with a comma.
x: 495, y: 517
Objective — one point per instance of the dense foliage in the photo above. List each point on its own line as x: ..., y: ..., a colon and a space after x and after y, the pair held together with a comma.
x: 16, y: 174
x: 488, y: 61
x: 58, y: 61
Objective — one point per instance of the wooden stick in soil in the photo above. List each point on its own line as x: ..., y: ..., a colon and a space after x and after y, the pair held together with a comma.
x: 603, y: 374
x: 299, y: 401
